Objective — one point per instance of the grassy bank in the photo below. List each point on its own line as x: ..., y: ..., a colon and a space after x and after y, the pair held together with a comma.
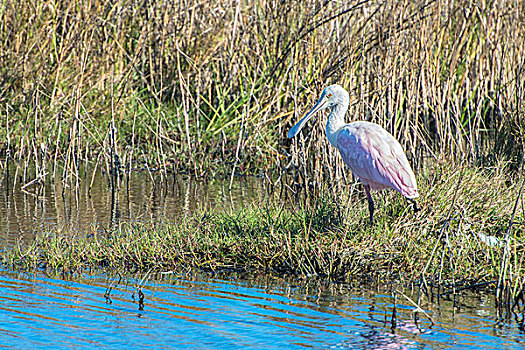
x: 447, y: 242
x: 196, y: 86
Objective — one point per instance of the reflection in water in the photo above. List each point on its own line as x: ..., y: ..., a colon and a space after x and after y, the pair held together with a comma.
x: 52, y: 205
x: 196, y: 310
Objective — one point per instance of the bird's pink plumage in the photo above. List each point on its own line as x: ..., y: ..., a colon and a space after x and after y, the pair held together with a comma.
x: 376, y: 158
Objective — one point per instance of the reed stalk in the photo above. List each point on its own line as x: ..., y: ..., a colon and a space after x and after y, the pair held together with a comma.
x: 445, y: 78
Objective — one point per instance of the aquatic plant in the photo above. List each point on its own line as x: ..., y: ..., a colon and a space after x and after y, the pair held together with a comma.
x: 461, y: 236
x: 201, y: 86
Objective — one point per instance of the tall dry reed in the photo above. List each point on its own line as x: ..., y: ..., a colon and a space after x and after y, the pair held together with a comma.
x: 169, y: 83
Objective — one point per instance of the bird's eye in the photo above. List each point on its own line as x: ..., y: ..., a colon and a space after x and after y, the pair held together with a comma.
x: 329, y: 95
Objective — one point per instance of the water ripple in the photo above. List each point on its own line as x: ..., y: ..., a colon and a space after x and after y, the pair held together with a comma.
x: 200, y: 312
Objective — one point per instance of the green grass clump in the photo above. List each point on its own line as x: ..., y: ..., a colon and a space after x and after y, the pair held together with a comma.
x: 442, y: 241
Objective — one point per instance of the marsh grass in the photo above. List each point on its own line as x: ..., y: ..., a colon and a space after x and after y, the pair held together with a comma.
x: 168, y: 85
x: 443, y: 246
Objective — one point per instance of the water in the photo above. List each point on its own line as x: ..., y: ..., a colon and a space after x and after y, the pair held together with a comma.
x: 196, y: 310
x: 53, y: 206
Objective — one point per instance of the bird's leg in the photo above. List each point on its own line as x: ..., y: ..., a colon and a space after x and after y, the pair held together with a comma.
x: 370, y: 204
x: 414, y: 205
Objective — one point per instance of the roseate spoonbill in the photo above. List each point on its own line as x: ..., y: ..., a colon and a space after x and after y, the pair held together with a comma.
x: 371, y: 152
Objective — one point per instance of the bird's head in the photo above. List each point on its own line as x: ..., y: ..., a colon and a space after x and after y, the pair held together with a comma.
x: 330, y: 97
x: 336, y: 95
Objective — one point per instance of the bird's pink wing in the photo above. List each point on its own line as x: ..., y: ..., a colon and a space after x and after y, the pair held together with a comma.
x: 376, y: 158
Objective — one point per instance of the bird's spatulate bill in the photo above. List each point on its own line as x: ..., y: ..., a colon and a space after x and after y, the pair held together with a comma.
x: 321, y: 104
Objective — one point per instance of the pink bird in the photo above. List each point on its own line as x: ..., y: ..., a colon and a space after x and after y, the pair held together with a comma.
x: 371, y: 152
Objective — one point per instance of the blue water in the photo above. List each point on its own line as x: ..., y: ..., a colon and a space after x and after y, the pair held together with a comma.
x: 196, y: 311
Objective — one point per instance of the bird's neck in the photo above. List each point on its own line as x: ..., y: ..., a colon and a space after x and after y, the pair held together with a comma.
x: 336, y: 120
